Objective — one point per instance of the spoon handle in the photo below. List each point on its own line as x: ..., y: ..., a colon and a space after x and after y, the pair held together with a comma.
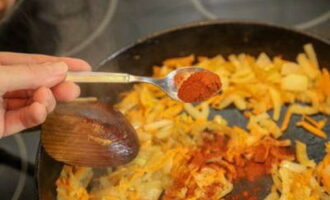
x: 98, y: 77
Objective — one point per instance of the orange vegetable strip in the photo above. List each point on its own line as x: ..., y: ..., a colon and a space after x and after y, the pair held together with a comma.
x: 312, y: 129
x: 311, y: 121
x: 286, y: 120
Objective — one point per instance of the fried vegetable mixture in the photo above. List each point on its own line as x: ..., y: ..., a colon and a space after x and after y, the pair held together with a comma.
x: 189, y: 152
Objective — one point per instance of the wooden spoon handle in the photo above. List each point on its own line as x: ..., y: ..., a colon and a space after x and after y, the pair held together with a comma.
x: 97, y: 77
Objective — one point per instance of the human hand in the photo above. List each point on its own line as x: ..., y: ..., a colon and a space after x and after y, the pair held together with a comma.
x: 30, y: 85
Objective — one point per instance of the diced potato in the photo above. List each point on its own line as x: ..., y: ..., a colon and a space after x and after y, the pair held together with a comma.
x: 158, y: 125
x: 277, y: 103
x: 205, y: 111
x: 302, y: 156
x: 234, y: 60
x: 272, y: 127
x: 290, y: 68
x: 302, y: 110
x: 273, y: 196
x: 327, y: 147
x: 220, y: 120
x: 307, y: 66
x: 295, y: 82
x: 195, y: 113
x: 311, y: 54
x: 293, y: 166
x: 240, y: 103
x: 263, y: 61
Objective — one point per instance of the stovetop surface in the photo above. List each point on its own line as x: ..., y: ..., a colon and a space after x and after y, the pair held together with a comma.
x: 94, y: 29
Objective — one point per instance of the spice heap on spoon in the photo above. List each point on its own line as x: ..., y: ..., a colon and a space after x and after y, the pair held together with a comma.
x: 187, y: 84
x: 196, y: 84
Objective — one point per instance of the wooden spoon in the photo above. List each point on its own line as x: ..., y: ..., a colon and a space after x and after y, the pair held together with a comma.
x: 89, y: 134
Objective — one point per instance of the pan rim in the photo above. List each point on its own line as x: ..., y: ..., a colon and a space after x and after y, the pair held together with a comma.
x: 201, y: 23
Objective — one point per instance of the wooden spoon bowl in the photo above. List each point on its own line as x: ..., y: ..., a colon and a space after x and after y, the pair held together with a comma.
x: 89, y: 134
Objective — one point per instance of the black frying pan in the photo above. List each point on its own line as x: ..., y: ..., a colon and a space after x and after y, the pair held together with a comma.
x: 207, y: 39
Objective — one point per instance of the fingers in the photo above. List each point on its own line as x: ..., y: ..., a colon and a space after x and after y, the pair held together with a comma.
x: 45, y: 97
x: 16, y: 103
x: 74, y: 64
x: 27, y: 117
x: 20, y: 77
x: 66, y: 91
x: 32, y: 76
x: 41, y: 95
x: 19, y: 94
x: 31, y: 115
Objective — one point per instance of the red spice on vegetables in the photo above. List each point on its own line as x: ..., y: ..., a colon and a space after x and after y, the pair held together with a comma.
x: 198, y: 86
x: 249, y: 165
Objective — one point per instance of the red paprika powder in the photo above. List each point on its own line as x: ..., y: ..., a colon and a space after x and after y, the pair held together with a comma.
x: 198, y: 86
x: 250, y: 165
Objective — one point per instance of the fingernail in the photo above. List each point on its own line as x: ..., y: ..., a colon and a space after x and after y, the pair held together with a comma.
x: 50, y: 101
x: 77, y: 90
x: 46, y: 103
x: 57, y: 68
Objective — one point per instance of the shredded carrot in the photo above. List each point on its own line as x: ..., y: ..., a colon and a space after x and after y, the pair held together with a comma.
x: 324, y: 82
x: 277, y: 103
x: 286, y: 121
x: 247, y: 114
x: 307, y: 126
x: 317, y: 124
x: 311, y: 121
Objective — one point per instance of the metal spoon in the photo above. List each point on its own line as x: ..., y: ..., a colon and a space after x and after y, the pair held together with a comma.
x: 167, y: 84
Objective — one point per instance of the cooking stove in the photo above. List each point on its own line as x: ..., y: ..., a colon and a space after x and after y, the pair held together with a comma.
x: 93, y: 29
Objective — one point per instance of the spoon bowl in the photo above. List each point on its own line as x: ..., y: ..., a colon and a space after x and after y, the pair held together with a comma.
x: 89, y: 134
x: 169, y: 84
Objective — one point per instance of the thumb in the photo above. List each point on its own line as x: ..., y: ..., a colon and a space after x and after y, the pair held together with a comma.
x: 19, y: 77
